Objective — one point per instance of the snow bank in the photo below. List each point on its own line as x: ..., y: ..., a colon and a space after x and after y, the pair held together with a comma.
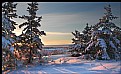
x: 109, y: 66
x: 73, y: 66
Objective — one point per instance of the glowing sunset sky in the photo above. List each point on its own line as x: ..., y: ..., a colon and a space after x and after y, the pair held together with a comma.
x: 62, y: 18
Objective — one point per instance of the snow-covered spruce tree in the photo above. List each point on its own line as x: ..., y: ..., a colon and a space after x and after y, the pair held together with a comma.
x: 87, y: 33
x: 78, y: 45
x: 30, y: 34
x: 105, y: 42
x: 80, y: 40
x: 8, y: 12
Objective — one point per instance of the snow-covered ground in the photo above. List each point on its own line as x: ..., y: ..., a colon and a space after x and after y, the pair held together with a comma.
x: 72, y: 65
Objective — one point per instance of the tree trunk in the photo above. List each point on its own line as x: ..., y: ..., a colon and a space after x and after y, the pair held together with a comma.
x: 30, y: 56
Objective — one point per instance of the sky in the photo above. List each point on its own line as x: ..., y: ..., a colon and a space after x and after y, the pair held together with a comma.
x: 59, y: 19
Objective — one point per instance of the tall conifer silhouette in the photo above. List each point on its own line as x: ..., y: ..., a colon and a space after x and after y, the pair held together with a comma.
x: 30, y: 34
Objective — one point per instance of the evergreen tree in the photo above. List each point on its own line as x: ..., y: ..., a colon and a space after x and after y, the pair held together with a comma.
x: 78, y: 45
x: 30, y: 34
x: 8, y: 12
x: 81, y: 39
x: 103, y: 39
x: 87, y: 33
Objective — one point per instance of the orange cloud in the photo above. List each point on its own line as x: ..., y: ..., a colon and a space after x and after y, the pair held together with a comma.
x: 56, y: 42
x: 57, y: 33
x: 52, y: 38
